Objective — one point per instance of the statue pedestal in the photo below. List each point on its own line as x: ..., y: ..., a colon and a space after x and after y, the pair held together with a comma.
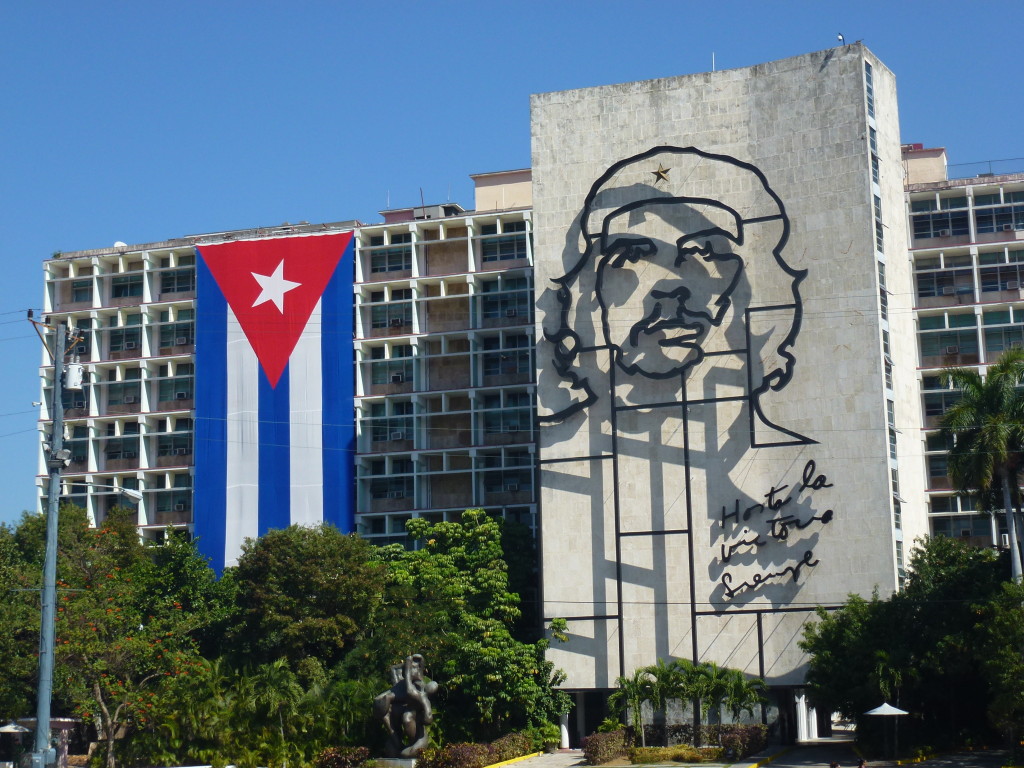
x: 395, y: 762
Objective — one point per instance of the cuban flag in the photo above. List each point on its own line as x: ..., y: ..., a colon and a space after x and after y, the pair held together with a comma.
x: 274, y: 380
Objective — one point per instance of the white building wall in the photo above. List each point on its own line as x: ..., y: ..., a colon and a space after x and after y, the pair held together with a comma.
x: 644, y: 550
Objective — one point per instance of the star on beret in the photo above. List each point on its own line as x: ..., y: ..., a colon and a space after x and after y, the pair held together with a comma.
x: 661, y: 174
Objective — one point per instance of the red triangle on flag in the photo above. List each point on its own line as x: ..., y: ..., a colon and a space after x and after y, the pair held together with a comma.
x: 272, y: 286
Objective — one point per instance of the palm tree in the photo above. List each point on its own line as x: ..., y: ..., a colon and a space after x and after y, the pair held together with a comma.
x: 742, y: 694
x: 668, y: 682
x: 711, y: 686
x: 986, y: 427
x: 630, y: 694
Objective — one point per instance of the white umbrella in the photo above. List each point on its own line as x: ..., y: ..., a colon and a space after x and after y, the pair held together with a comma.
x: 886, y: 709
x: 13, y: 727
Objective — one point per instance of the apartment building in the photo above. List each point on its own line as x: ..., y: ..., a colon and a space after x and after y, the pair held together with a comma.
x: 967, y: 248
x: 442, y: 341
x: 445, y: 383
x: 131, y: 426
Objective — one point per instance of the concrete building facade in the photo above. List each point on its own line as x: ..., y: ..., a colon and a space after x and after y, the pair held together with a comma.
x: 967, y: 247
x: 726, y: 367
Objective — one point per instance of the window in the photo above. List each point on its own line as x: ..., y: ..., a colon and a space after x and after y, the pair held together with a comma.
x: 127, y: 338
x: 125, y: 446
x: 883, y: 303
x: 512, y: 357
x: 178, y: 280
x: 949, y: 283
x: 124, y: 286
x: 510, y: 472
x: 78, y: 444
x: 128, y: 391
x: 394, y: 259
x: 180, y: 386
x: 937, y: 442
x: 1004, y: 218
x: 179, y: 333
x: 509, y: 298
x: 888, y: 374
x: 391, y: 488
x: 874, y: 168
x: 937, y: 403
x: 879, y: 238
x: 396, y: 370
x: 81, y: 290
x: 396, y: 425
x: 174, y: 444
x: 873, y: 140
x: 514, y: 415
x: 83, y: 336
x: 392, y: 314
x: 998, y: 340
x: 510, y: 243
x: 942, y: 224
x: 869, y: 87
x: 179, y: 499
x: 74, y: 398
x: 938, y: 466
x: 892, y: 444
x: 949, y: 343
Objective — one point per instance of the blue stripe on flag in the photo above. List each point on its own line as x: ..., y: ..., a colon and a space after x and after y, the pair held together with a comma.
x: 275, y: 471
x: 338, y: 396
x: 209, y: 496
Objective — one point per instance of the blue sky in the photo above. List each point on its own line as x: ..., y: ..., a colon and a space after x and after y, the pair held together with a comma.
x: 144, y: 121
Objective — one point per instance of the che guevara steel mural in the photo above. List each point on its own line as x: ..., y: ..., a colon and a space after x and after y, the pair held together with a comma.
x: 673, y: 326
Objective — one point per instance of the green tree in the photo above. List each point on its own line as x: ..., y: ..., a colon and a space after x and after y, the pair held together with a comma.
x: 921, y: 646
x: 743, y: 693
x: 19, y: 617
x: 1001, y: 646
x: 303, y: 592
x: 986, y: 427
x: 115, y: 638
x: 449, y: 599
x: 627, y: 700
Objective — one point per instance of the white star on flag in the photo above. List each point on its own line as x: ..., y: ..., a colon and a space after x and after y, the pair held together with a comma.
x: 274, y: 287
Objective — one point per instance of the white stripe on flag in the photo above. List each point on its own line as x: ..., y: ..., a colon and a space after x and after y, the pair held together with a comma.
x: 305, y: 392
x: 243, y: 448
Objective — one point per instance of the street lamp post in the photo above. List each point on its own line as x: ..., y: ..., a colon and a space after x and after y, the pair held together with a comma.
x: 56, y: 459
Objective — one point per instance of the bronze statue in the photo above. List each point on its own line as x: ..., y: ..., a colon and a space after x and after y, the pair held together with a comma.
x: 405, y: 709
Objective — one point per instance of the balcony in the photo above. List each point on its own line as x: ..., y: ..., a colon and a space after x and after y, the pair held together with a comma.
x: 950, y: 359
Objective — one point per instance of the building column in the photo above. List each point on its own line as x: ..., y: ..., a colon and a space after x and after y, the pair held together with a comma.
x: 801, y: 717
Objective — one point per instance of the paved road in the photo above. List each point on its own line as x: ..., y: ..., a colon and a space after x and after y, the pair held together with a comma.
x: 816, y: 755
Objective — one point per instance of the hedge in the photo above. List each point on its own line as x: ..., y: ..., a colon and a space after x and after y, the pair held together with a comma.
x: 680, y: 753
x: 510, y: 746
x: 599, y: 748
x: 458, y: 755
x: 342, y: 757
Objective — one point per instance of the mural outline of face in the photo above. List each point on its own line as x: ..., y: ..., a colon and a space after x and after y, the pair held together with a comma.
x: 729, y: 280
x: 666, y: 276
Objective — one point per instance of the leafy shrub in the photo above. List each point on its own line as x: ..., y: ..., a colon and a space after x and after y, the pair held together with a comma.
x: 680, y: 753
x: 610, y: 724
x: 738, y: 741
x: 599, y: 748
x: 456, y: 756
x: 510, y: 746
x: 342, y: 757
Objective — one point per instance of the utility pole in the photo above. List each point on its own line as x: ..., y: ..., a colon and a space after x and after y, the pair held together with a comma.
x: 57, y: 457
